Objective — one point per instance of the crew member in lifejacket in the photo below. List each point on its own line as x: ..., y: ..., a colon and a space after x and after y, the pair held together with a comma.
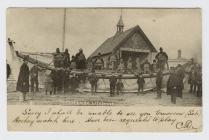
x: 80, y: 60
x: 58, y: 59
x: 146, y: 66
x: 129, y: 65
x: 66, y: 61
x: 73, y: 63
x: 162, y: 59
x: 99, y: 62
x: 154, y: 66
x: 113, y: 61
x: 121, y: 66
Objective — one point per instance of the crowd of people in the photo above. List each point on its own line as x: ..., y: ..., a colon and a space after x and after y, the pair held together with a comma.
x: 131, y: 65
x: 61, y: 79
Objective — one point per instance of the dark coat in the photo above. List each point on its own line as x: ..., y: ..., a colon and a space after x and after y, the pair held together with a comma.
x: 140, y: 80
x: 80, y: 61
x: 23, y: 79
x: 173, y: 81
x: 66, y: 61
x: 113, y: 80
x: 93, y: 79
x: 8, y: 71
x: 192, y: 77
x: 181, y: 75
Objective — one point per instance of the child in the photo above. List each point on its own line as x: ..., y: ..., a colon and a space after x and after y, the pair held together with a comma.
x: 140, y: 82
x: 119, y: 85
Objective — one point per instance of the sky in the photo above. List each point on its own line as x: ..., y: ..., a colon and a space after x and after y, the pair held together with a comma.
x: 41, y: 29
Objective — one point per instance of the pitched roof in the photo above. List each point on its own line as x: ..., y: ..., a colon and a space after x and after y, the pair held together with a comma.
x: 113, y: 42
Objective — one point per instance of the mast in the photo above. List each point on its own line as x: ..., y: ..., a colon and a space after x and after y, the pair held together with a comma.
x: 63, y: 36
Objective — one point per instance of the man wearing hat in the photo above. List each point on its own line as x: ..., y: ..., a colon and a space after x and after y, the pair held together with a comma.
x: 162, y: 59
x: 23, y: 79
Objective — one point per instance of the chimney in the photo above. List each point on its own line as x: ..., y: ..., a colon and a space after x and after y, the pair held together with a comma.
x: 179, y: 54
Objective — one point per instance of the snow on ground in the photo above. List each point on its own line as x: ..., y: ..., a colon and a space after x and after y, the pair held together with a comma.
x: 102, y: 99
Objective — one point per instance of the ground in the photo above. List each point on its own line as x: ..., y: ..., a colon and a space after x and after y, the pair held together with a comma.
x: 128, y: 99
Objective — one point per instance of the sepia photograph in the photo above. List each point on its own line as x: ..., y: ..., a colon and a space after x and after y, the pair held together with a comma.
x: 110, y: 57
x: 105, y: 64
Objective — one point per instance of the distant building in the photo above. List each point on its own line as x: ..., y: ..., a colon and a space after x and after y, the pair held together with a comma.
x: 131, y: 43
x: 178, y: 60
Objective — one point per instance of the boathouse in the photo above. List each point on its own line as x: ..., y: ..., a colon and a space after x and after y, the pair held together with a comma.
x: 124, y: 44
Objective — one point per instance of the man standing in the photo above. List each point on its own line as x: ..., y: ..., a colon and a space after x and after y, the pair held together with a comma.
x: 113, y: 81
x: 113, y: 61
x: 199, y: 82
x: 146, y: 66
x: 66, y: 61
x: 192, y: 80
x: 80, y: 60
x: 119, y: 85
x: 58, y: 58
x: 93, y: 81
x: 159, y: 80
x: 180, y: 75
x: 173, y: 84
x: 23, y: 79
x: 34, y: 77
x: 154, y: 66
x: 162, y: 59
x: 99, y: 62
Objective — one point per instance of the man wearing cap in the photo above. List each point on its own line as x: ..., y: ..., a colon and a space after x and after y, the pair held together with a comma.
x: 23, y: 79
x: 162, y: 59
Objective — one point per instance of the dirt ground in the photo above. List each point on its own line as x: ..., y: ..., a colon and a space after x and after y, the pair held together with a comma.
x: 102, y: 99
